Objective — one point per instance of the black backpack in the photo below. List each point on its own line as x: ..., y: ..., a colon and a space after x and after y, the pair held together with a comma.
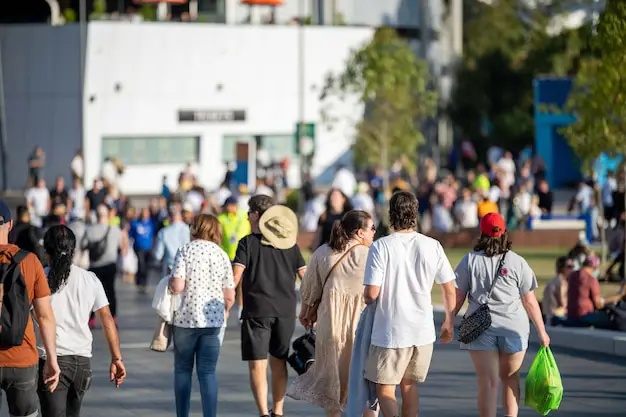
x: 97, y: 248
x: 15, y: 302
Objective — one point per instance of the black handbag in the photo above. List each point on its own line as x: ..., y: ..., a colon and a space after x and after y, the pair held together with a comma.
x: 303, y: 355
x: 476, y: 323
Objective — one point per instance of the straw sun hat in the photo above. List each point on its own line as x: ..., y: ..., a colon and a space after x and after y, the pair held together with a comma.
x: 279, y: 227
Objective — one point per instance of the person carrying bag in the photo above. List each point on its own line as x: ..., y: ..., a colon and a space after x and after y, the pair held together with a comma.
x: 476, y: 323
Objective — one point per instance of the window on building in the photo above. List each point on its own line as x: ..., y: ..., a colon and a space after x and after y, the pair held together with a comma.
x: 278, y: 147
x: 151, y: 150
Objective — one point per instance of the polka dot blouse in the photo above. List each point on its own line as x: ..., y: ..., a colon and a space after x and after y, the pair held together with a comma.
x: 206, y: 269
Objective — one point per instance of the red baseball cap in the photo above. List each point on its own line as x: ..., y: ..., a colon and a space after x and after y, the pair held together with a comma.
x: 492, y: 224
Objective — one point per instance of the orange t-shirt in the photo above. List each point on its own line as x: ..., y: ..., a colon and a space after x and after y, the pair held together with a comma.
x: 25, y: 355
x: 486, y: 207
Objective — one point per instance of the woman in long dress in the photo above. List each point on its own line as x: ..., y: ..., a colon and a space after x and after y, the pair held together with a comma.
x: 332, y: 297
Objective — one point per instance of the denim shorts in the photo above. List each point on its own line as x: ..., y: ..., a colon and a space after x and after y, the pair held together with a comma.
x: 491, y: 339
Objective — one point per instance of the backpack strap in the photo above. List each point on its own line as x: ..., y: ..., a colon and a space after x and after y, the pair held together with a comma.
x: 19, y: 256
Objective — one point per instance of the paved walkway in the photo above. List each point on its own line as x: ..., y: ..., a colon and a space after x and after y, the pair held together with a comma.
x: 594, y: 386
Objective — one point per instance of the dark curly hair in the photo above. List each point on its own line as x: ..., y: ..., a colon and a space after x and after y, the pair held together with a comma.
x: 346, y: 229
x: 403, y: 211
x: 59, y: 242
x: 493, y: 246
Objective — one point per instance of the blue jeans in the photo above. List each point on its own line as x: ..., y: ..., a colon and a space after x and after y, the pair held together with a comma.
x: 203, y: 345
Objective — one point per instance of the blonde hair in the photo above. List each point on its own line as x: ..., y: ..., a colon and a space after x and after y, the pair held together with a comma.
x: 207, y: 227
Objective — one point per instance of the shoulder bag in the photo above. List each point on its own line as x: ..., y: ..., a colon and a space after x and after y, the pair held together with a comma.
x: 476, y: 323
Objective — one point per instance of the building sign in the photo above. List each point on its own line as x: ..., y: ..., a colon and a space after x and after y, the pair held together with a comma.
x: 211, y: 116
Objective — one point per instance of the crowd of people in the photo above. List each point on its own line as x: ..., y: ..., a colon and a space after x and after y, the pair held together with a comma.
x: 348, y: 272
x: 234, y: 248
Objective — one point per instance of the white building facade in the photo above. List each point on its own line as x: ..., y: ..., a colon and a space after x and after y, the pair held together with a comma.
x: 159, y: 96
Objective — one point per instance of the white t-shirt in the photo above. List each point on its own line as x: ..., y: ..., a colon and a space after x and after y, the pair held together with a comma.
x: 39, y: 197
x: 405, y: 266
x: 466, y: 212
x: 77, y: 195
x: 72, y: 306
x: 207, y: 270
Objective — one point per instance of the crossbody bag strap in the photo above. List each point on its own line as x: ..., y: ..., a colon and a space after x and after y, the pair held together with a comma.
x: 498, y: 274
x: 313, y: 308
x: 332, y: 268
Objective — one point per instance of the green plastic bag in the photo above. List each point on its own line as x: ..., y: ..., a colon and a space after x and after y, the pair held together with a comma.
x: 544, y: 389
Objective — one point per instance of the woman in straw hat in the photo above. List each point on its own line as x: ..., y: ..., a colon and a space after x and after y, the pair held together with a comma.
x: 493, y: 274
x: 332, y: 296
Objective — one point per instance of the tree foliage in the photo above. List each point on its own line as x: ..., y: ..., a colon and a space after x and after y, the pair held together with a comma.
x: 393, y: 85
x: 507, y: 44
x: 598, y: 98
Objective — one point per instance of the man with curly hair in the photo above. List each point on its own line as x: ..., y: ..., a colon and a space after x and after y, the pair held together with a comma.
x: 400, y: 272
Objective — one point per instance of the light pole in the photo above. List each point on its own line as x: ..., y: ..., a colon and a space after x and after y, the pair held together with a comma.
x: 301, y: 105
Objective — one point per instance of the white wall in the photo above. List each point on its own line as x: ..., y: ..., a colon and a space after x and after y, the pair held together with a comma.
x: 42, y: 90
x: 165, y: 68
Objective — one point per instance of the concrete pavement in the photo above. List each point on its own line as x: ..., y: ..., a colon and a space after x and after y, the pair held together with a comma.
x: 594, y: 385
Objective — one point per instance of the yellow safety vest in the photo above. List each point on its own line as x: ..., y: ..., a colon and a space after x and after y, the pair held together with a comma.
x: 234, y: 227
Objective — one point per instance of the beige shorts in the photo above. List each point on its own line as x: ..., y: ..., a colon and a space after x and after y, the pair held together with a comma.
x: 388, y: 366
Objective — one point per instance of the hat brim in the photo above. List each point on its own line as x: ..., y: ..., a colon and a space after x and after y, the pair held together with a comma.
x: 289, y: 216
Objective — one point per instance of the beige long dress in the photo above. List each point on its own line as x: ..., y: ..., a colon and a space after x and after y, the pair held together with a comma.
x: 326, y: 383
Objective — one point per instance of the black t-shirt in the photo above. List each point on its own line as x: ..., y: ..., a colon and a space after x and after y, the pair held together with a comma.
x: 58, y: 198
x: 96, y: 198
x: 326, y: 222
x: 269, y: 280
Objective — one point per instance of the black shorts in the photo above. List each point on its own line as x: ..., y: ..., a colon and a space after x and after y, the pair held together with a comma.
x: 266, y: 335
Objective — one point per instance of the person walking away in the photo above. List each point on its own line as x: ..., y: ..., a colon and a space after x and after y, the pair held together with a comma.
x: 400, y: 272
x: 203, y: 275
x: 25, y: 235
x: 103, y: 242
x: 235, y: 225
x: 18, y: 345
x: 76, y: 293
x: 266, y: 264
x: 171, y: 238
x: 332, y: 296
x: 493, y: 274
x: 142, y: 232
x: 554, y: 303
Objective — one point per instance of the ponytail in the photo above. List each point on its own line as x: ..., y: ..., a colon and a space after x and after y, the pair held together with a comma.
x: 338, y: 237
x: 345, y: 230
x: 59, y: 243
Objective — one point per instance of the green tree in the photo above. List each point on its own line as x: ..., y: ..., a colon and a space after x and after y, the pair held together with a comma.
x: 598, y: 98
x: 507, y: 44
x: 393, y: 85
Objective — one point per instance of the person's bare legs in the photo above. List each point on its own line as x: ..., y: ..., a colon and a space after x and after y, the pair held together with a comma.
x: 387, y: 399
x: 371, y: 413
x: 510, y: 364
x: 278, y: 368
x: 410, y: 398
x: 258, y: 384
x: 486, y: 364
